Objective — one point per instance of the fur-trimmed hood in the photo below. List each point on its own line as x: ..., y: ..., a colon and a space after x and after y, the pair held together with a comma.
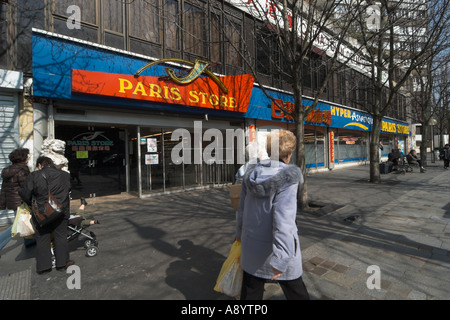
x: 268, y: 176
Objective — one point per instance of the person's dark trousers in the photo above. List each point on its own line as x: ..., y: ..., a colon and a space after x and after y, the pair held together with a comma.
x: 43, y: 235
x: 253, y: 288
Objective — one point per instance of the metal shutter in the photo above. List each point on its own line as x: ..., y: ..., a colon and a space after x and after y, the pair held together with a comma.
x: 9, y: 126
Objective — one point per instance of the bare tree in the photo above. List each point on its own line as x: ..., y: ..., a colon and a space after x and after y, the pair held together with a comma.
x: 287, y: 34
x: 430, y: 100
x: 440, y: 95
x: 408, y: 36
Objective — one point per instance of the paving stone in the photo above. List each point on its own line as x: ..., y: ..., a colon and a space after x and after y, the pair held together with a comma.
x: 16, y: 286
x: 319, y: 271
x: 379, y: 294
x: 316, y: 261
x: 393, y: 296
x: 328, y: 264
x: 331, y: 275
x: 340, y: 268
x: 417, y: 295
x: 385, y: 284
x: 400, y: 288
x: 359, y: 286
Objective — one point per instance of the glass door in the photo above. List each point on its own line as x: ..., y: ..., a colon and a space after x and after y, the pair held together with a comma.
x: 96, y: 157
x: 152, y: 160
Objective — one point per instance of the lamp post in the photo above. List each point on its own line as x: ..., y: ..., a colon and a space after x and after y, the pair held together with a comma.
x: 432, y: 122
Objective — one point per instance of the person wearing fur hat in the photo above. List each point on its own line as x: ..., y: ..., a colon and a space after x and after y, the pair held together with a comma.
x: 266, y: 227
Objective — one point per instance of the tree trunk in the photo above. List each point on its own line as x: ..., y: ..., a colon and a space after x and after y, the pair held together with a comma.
x: 373, y: 150
x: 424, y: 143
x: 302, y: 196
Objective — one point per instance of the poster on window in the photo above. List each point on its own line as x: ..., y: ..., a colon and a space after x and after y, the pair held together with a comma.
x: 151, y: 145
x: 151, y: 159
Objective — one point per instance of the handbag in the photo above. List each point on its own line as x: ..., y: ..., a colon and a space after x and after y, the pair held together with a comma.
x: 49, y: 211
x: 235, y: 195
x: 22, y: 226
x: 231, y: 274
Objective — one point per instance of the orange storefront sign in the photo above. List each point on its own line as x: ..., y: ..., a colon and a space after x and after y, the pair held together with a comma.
x: 203, y: 92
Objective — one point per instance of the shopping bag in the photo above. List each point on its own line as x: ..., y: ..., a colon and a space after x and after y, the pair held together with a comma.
x: 235, y: 195
x: 230, y: 277
x: 22, y: 226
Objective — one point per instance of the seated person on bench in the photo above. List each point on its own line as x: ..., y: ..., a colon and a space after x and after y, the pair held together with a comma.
x: 414, y: 159
x: 394, y: 157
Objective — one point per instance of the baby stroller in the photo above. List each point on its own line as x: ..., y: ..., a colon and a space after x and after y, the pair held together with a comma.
x: 75, y: 228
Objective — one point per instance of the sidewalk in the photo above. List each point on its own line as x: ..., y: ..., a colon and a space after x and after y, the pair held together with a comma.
x: 171, y: 247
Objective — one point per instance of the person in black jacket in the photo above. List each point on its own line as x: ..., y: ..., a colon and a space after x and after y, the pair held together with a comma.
x: 36, y: 188
x: 13, y: 177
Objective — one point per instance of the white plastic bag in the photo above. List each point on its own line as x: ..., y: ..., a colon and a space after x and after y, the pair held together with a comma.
x: 231, y: 283
x: 22, y: 226
x: 231, y: 275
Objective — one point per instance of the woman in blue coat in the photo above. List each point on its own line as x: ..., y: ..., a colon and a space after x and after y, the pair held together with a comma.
x: 270, y: 247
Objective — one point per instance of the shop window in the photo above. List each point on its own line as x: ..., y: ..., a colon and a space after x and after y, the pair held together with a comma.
x: 352, y: 146
x: 215, y: 38
x: 112, y: 12
x: 314, y: 140
x: 29, y: 13
x: 144, y: 20
x: 114, y: 40
x: 161, y: 171
x: 152, y: 166
x: 320, y: 147
x: 388, y: 145
x: 264, y: 43
x: 171, y: 23
x: 306, y: 80
x: 310, y: 147
x: 87, y: 33
x: 3, y: 44
x: 233, y: 48
x: 88, y: 9
x: 174, y: 172
x: 194, y: 30
x: 342, y: 83
x: 319, y: 72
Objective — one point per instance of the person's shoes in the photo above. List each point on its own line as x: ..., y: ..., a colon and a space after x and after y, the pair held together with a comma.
x: 44, y: 271
x: 68, y: 264
x: 422, y: 171
x: 83, y: 201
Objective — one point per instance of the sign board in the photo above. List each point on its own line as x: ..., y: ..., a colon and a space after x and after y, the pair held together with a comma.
x: 202, y: 93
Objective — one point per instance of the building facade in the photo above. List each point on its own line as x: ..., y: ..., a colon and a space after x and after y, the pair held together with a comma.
x: 125, y: 129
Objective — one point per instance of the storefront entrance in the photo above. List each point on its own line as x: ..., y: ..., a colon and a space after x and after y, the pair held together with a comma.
x: 160, y: 172
x: 96, y: 159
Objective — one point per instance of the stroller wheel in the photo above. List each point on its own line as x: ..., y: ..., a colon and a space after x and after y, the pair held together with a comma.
x: 91, y: 251
x: 88, y: 243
